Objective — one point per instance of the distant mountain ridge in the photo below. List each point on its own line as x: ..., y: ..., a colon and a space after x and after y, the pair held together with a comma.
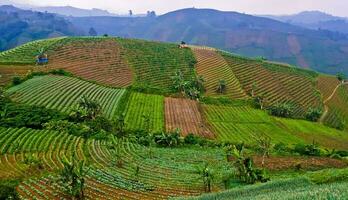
x: 248, y: 35
x: 19, y: 26
x: 315, y: 20
x: 72, y: 11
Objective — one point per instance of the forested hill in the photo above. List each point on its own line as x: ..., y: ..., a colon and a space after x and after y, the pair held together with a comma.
x: 20, y: 26
x: 248, y: 35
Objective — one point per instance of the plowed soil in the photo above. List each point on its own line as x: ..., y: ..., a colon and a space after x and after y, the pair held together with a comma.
x: 98, y: 61
x: 184, y: 114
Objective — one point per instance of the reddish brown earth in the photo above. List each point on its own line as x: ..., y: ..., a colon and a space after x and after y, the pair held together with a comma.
x: 184, y: 114
x: 308, y: 163
x: 7, y: 72
x: 98, y: 61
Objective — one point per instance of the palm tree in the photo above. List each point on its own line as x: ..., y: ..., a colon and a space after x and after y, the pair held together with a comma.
x: 72, y: 177
x: 92, y: 107
x: 207, y: 176
x: 221, y: 86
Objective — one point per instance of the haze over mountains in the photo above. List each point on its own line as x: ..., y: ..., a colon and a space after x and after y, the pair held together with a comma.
x: 315, y: 20
x: 320, y: 45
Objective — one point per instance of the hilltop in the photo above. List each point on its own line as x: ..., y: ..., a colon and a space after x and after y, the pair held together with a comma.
x: 248, y: 35
x: 149, y: 118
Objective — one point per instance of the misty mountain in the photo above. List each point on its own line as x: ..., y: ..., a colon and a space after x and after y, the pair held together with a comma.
x: 248, y: 35
x: 72, y: 11
x: 19, y: 26
x: 315, y: 20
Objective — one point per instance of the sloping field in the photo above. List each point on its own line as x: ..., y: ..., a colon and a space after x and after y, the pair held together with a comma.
x: 185, y: 115
x: 338, y: 109
x: 7, y: 72
x: 155, y: 63
x: 309, y: 132
x: 299, y: 188
x: 94, y: 59
x: 48, y: 146
x: 145, y: 112
x: 62, y: 93
x: 26, y: 54
x: 242, y: 124
x: 326, y: 85
x: 169, y: 172
x: 214, y: 68
x: 276, y: 83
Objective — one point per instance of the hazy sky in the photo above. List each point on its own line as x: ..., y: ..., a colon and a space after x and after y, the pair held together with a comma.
x: 336, y: 7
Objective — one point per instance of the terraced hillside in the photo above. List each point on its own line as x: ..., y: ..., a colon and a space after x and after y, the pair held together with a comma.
x: 63, y: 93
x: 145, y: 112
x: 185, y: 115
x: 276, y: 83
x: 7, y: 72
x: 214, y: 68
x: 26, y: 54
x: 132, y: 153
x: 155, y: 63
x: 160, y: 176
x: 337, y: 107
x: 94, y: 59
x: 245, y: 124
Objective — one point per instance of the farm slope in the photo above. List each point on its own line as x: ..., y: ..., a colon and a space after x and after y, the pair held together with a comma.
x: 132, y: 82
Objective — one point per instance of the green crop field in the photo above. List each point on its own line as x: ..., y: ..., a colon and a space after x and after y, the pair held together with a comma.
x: 242, y: 124
x: 285, y: 189
x: 145, y: 111
x: 63, y: 93
x: 26, y: 54
x: 134, y: 152
x: 155, y: 63
x: 277, y: 83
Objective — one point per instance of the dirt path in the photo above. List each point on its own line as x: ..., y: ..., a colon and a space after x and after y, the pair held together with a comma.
x: 326, y: 108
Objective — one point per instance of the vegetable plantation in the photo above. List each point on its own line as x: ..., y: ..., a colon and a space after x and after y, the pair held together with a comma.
x: 145, y: 112
x: 63, y: 93
x: 119, y: 124
x: 155, y: 63
x: 26, y: 54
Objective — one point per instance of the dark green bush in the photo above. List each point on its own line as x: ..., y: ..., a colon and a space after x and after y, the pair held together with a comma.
x: 307, y: 150
x: 313, y: 114
x: 282, y: 110
x: 8, y: 189
x: 16, y: 80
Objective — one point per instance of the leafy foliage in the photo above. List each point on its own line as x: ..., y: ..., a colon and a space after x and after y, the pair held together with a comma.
x: 72, y: 178
x: 313, y: 114
x: 282, y: 110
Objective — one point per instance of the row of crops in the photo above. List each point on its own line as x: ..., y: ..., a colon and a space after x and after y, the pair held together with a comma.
x: 244, y: 124
x: 26, y: 54
x: 155, y: 63
x: 185, y: 115
x: 63, y: 93
x: 299, y: 188
x: 145, y: 112
x: 260, y: 79
x: 214, y: 68
x: 338, y: 109
x: 162, y: 172
x: 94, y: 59
x: 8, y: 72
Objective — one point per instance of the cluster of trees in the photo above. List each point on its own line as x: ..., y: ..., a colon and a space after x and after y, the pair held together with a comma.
x: 192, y: 88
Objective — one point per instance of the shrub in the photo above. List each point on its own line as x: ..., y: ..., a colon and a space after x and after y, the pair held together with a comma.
x: 192, y: 139
x: 61, y: 72
x: 282, y: 110
x: 167, y: 139
x: 8, y: 189
x: 308, y: 150
x: 16, y: 80
x: 340, y: 76
x: 313, y: 114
